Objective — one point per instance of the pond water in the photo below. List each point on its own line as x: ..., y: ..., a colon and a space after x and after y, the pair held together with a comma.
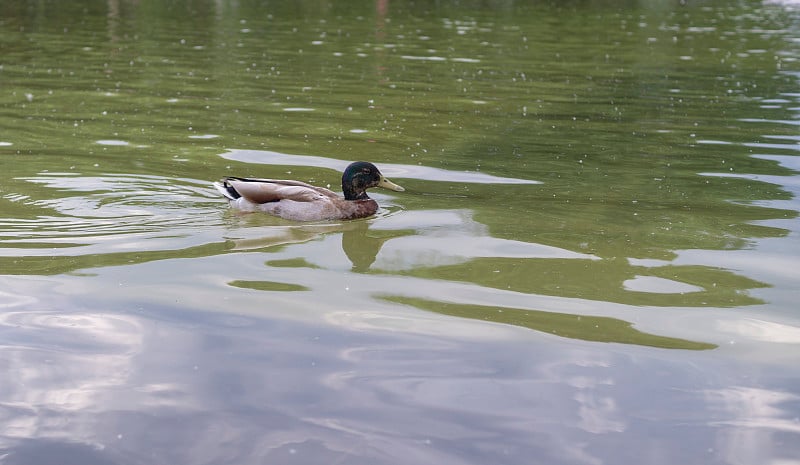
x: 595, y: 259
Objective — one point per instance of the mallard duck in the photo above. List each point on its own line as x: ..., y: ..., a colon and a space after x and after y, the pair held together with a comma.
x: 298, y: 201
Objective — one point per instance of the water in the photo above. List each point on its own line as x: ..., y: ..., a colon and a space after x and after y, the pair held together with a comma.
x: 594, y: 260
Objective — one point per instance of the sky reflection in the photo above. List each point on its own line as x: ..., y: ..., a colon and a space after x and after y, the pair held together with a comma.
x: 225, y: 388
x: 594, y: 261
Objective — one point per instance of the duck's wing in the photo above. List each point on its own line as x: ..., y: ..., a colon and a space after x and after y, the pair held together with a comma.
x: 272, y: 190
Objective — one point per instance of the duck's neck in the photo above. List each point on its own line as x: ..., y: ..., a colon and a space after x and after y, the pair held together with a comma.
x: 351, y: 193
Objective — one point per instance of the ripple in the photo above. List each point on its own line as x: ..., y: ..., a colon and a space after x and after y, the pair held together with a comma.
x: 713, y: 142
x: 112, y: 142
x: 107, y: 329
x: 11, y: 300
x: 204, y: 136
x: 423, y: 58
x: 771, y: 121
x: 109, y: 213
x: 268, y: 286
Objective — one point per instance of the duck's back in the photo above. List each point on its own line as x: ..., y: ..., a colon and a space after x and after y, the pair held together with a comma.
x: 272, y: 190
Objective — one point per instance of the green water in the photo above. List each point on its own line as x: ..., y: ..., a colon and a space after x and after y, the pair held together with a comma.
x: 597, y: 242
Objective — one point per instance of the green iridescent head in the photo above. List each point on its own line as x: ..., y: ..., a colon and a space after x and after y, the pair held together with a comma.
x: 360, y: 176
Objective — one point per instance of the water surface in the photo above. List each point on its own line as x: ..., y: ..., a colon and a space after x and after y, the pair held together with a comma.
x: 594, y: 260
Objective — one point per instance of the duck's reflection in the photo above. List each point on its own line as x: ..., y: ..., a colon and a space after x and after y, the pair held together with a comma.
x: 525, y: 284
x: 360, y: 244
x: 413, y: 240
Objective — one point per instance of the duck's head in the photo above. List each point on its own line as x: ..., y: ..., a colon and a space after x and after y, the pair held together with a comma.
x: 360, y: 176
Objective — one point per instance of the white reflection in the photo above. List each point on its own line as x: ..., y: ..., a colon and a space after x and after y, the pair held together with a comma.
x: 596, y: 414
x: 259, y: 238
x: 755, y: 416
x: 61, y: 363
x: 11, y: 300
x: 215, y: 387
x: 446, y: 237
x: 761, y: 330
x: 591, y: 382
x: 656, y: 285
x: 441, y: 237
x: 391, y: 170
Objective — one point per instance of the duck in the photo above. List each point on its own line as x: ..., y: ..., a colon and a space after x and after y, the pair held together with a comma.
x: 299, y: 201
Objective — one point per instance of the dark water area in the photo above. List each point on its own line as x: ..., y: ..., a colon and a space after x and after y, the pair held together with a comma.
x: 594, y: 260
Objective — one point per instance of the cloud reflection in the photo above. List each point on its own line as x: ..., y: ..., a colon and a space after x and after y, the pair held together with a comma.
x: 755, y: 421
x: 169, y: 385
x: 62, y: 364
